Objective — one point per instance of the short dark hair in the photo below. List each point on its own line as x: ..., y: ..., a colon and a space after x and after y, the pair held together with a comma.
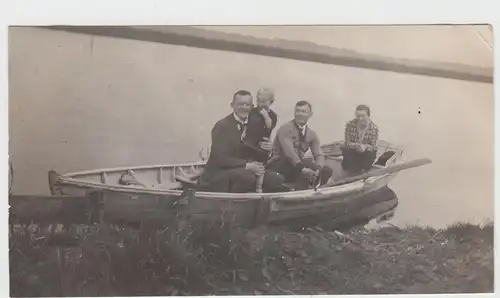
x: 302, y: 103
x: 363, y: 108
x: 241, y: 93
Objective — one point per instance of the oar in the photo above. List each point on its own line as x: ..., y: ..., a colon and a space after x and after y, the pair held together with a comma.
x: 379, y: 172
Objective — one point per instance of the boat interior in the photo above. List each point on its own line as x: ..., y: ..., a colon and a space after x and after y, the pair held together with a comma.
x: 181, y: 176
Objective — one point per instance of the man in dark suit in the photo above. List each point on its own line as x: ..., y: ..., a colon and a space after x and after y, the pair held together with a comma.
x: 227, y: 168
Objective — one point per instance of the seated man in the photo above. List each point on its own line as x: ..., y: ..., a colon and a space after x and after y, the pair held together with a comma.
x: 293, y: 140
x: 361, y: 136
x: 227, y: 170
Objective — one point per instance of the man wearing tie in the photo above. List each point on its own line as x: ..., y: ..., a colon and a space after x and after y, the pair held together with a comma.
x: 227, y: 168
x: 293, y: 140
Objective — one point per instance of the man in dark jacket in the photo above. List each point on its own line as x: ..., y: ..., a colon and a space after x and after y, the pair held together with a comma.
x: 227, y: 169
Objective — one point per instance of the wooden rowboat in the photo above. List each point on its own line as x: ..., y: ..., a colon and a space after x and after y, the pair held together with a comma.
x: 161, y: 191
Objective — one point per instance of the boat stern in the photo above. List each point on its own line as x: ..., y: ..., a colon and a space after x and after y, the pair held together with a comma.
x: 53, y: 183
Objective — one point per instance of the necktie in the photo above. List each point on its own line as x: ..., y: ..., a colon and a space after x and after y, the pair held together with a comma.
x: 301, y: 132
x: 242, y: 128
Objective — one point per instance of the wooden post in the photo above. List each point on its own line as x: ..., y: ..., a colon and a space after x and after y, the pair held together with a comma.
x: 96, y: 200
x: 262, y: 212
x: 187, y: 195
x: 260, y: 182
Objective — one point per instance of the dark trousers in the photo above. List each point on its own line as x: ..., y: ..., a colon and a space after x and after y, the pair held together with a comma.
x: 356, y: 162
x: 292, y: 174
x: 254, y: 153
x: 243, y: 181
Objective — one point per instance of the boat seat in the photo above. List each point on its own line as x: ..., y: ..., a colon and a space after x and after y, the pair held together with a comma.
x: 129, y: 179
x: 188, y: 181
x: 384, y: 157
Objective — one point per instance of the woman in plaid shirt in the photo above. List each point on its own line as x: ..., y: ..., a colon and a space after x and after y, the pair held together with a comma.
x: 361, y: 136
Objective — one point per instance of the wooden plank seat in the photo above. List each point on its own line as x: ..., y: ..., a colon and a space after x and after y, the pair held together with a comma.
x: 128, y: 178
x: 384, y: 157
x: 188, y: 181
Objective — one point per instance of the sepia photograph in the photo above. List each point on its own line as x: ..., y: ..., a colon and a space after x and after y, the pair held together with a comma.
x: 250, y: 160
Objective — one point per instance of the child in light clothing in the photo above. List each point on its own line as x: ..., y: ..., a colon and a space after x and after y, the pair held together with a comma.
x: 261, y: 122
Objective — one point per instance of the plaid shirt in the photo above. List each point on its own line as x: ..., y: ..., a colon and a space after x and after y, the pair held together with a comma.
x: 353, y: 138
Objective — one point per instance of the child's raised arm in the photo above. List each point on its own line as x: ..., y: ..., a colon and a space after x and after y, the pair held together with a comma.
x: 267, y: 119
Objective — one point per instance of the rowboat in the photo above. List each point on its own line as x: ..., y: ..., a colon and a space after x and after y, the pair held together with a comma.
x: 157, y: 192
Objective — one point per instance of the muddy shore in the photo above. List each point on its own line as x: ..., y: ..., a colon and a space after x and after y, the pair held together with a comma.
x: 188, y: 260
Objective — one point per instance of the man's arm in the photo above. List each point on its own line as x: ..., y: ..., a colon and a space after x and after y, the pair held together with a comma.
x: 319, y: 157
x: 284, y: 136
x: 222, y: 148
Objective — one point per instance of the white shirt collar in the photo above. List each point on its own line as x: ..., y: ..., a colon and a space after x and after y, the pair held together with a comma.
x: 302, y: 127
x: 239, y: 120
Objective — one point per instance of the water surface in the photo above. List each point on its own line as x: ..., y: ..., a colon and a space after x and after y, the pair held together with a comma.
x: 79, y: 102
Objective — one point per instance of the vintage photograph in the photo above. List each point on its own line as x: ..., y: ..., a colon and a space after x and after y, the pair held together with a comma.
x: 250, y: 160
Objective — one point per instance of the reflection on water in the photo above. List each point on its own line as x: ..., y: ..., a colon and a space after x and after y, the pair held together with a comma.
x: 78, y: 102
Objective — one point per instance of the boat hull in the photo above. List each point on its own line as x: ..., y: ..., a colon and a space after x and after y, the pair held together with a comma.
x: 359, y: 202
x: 158, y: 197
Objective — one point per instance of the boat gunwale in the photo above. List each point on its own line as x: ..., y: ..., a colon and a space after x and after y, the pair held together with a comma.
x: 132, y: 168
x: 292, y: 195
x: 308, y: 194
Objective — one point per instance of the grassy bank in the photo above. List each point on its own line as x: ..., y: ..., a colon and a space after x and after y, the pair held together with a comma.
x: 187, y: 260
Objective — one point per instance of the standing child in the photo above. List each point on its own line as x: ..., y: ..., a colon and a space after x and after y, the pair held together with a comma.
x: 261, y: 122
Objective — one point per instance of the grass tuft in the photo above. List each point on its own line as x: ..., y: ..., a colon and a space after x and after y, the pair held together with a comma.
x: 203, y: 259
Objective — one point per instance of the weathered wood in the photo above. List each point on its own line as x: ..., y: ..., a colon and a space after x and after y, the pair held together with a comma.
x: 361, y: 217
x: 104, y: 178
x: 160, y: 176
x: 297, y: 50
x: 262, y: 212
x: 96, y: 202
x: 164, y: 204
x: 136, y: 208
x: 358, y: 208
x: 53, y: 177
x: 25, y: 209
x: 128, y: 178
x: 97, y: 207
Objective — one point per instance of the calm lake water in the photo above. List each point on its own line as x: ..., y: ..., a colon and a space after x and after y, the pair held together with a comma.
x: 79, y: 102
